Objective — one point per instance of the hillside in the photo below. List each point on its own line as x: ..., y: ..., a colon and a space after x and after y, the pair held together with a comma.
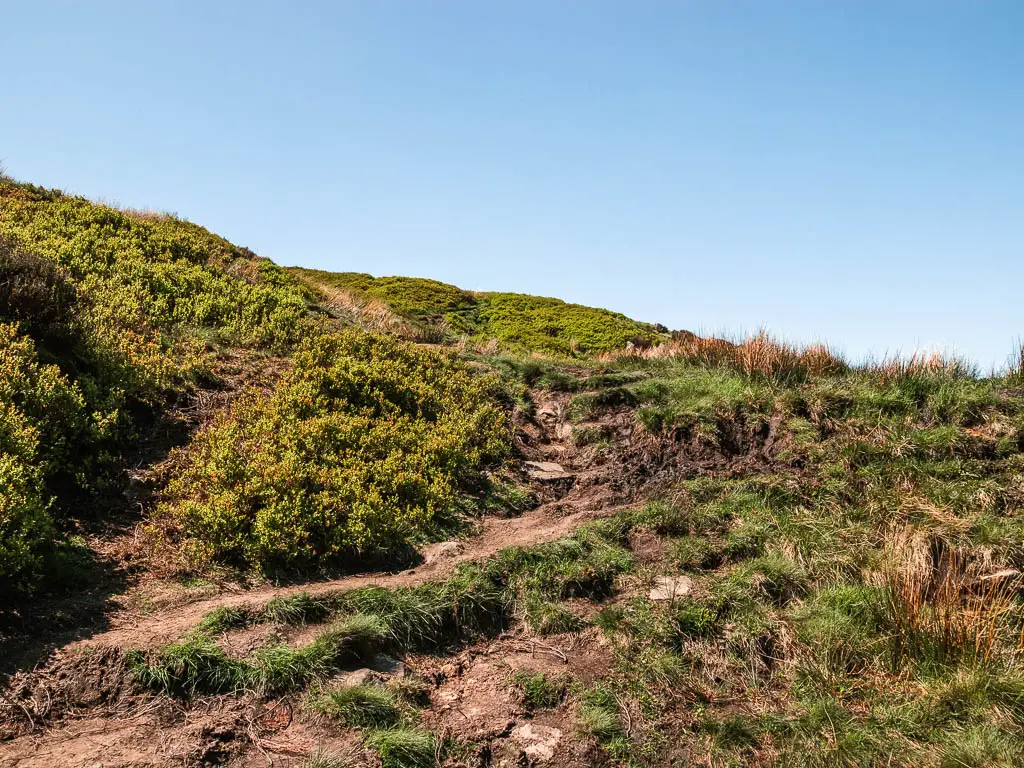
x: 252, y: 515
x: 515, y: 321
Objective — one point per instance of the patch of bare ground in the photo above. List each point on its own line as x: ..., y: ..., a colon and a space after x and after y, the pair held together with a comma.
x: 474, y: 700
x: 221, y: 731
x: 471, y: 700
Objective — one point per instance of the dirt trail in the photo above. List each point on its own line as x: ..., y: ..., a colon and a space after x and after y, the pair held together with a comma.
x: 574, y: 485
x: 584, y: 491
x: 546, y: 523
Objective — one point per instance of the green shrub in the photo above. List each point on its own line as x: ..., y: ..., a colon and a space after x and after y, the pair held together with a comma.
x: 556, y: 327
x: 365, y: 445
x: 42, y: 419
x: 518, y: 321
x: 120, y: 307
x: 35, y: 293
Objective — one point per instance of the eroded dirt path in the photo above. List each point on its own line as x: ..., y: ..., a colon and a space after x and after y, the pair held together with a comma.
x: 577, y: 489
x: 574, y: 485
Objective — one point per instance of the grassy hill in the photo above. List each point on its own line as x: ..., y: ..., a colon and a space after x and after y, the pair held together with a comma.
x: 110, y: 320
x: 517, y: 321
x: 680, y: 552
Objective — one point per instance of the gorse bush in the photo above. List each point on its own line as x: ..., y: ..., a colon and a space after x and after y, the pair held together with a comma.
x: 41, y: 419
x: 104, y: 319
x: 36, y: 293
x: 364, y: 445
x: 157, y: 273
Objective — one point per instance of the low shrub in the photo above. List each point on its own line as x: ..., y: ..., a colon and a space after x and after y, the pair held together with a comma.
x: 365, y: 445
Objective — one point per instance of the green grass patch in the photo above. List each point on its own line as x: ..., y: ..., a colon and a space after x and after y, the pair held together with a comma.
x: 538, y: 691
x: 404, y: 747
x: 361, y: 706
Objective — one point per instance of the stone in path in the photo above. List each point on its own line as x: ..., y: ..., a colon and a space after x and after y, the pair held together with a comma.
x: 671, y: 587
x: 547, y: 470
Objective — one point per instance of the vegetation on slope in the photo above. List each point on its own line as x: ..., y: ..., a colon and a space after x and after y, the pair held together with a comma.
x: 367, y: 443
x: 517, y: 321
x: 856, y: 570
x: 106, y: 319
x: 852, y: 533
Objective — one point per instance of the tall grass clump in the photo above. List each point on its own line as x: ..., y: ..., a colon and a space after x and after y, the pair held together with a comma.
x: 944, y: 606
x: 198, y: 665
x: 365, y: 445
x: 760, y: 355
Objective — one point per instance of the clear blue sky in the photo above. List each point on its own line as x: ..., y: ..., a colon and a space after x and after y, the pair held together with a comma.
x: 850, y: 171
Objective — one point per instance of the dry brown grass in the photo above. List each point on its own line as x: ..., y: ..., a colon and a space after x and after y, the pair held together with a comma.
x: 1015, y: 366
x: 895, y: 368
x: 761, y: 354
x: 146, y: 214
x: 371, y: 315
x: 947, y: 602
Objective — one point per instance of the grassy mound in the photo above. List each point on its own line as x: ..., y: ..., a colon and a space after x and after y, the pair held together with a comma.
x: 366, y: 444
x: 517, y: 321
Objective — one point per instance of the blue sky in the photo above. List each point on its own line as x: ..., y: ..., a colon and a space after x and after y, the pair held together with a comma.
x: 846, y: 171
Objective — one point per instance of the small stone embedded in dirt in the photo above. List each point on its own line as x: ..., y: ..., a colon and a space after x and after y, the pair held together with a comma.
x: 389, y: 665
x: 538, y: 741
x: 543, y: 466
x: 360, y: 677
x: 449, y: 549
x: 671, y: 587
x: 547, y: 471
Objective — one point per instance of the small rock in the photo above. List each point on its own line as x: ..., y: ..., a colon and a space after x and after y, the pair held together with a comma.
x: 547, y: 471
x: 538, y: 741
x: 671, y: 587
x: 543, y: 466
x: 449, y: 549
x: 389, y: 665
x: 359, y: 677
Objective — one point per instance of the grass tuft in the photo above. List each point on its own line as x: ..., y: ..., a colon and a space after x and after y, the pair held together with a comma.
x: 538, y: 691
x: 404, y: 748
x: 361, y: 706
